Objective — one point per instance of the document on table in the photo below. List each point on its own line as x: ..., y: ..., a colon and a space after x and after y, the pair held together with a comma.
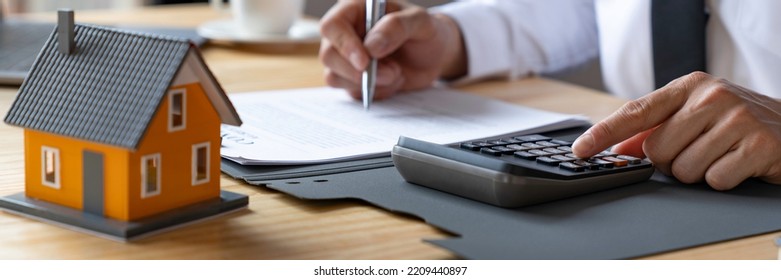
x: 320, y: 125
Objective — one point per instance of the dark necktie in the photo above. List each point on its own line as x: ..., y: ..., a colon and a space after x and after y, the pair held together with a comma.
x: 678, y: 32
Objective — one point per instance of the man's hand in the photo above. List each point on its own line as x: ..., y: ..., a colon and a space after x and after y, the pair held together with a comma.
x: 414, y: 48
x: 697, y: 128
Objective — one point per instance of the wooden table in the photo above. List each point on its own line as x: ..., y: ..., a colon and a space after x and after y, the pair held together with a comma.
x: 277, y: 226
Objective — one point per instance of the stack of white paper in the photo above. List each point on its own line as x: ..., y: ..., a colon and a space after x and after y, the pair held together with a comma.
x: 319, y: 125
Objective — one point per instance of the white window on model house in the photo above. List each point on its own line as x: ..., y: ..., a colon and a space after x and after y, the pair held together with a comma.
x: 177, y: 110
x: 200, y: 164
x: 50, y: 167
x: 150, y: 175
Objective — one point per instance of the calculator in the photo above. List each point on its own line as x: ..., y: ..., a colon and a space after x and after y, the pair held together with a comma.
x: 514, y: 171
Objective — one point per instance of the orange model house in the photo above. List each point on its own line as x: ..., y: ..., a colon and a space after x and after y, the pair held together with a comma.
x: 122, y: 126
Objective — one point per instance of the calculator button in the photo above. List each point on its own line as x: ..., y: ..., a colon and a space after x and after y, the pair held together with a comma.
x: 561, y: 142
x: 481, y: 144
x: 586, y: 164
x: 504, y: 150
x: 539, y: 153
x: 470, y: 146
x: 571, y: 166
x: 630, y: 159
x: 618, y: 162
x: 547, y: 144
x: 525, y: 155
x: 518, y: 147
x: 497, y: 142
x: 532, y: 138
x: 532, y: 146
x: 512, y: 141
x: 548, y: 161
x: 601, y: 163
x: 606, y: 154
x: 563, y: 158
x: 490, y: 151
x: 565, y: 148
x: 554, y: 151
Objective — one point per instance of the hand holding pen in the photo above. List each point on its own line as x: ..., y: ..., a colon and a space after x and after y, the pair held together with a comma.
x: 413, y: 48
x: 375, y: 9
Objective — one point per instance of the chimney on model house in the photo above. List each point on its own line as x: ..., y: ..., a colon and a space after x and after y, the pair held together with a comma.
x: 66, y: 31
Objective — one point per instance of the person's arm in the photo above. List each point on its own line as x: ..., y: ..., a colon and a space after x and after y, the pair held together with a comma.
x: 697, y: 128
x: 468, y: 39
x: 516, y: 38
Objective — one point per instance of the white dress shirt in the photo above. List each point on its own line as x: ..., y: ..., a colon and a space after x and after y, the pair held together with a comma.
x: 517, y: 38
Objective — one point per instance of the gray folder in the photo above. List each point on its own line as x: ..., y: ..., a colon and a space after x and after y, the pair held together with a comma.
x: 652, y: 217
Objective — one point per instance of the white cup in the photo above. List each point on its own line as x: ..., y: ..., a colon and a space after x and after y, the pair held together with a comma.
x: 258, y: 17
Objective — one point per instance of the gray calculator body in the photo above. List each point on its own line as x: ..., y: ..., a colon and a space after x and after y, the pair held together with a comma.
x: 506, y: 180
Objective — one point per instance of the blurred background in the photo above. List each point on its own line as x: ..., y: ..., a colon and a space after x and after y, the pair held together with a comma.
x: 315, y: 8
x: 588, y: 74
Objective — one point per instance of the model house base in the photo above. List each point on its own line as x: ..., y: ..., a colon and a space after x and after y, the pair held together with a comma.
x: 113, y: 229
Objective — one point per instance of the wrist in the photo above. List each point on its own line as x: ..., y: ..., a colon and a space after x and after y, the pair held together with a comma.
x: 454, y: 64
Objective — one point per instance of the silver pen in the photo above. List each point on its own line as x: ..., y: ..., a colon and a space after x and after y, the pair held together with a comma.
x: 375, y: 9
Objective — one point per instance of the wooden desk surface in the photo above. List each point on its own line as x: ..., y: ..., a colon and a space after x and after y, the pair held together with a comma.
x: 277, y: 226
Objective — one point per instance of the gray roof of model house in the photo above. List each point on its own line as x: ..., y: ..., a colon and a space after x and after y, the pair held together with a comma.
x: 107, y: 90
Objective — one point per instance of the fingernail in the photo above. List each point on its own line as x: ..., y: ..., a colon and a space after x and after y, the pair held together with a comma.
x: 376, y: 43
x: 583, y: 145
x: 355, y: 59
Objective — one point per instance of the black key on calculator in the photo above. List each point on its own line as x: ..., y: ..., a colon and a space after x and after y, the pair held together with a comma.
x: 528, y: 170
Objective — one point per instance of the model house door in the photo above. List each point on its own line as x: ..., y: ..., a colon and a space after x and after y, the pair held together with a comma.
x: 93, y: 182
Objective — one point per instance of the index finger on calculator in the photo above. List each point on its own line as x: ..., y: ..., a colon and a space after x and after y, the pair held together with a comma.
x: 634, y: 117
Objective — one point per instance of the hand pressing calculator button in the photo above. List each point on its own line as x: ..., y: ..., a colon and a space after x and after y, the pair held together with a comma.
x: 516, y: 171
